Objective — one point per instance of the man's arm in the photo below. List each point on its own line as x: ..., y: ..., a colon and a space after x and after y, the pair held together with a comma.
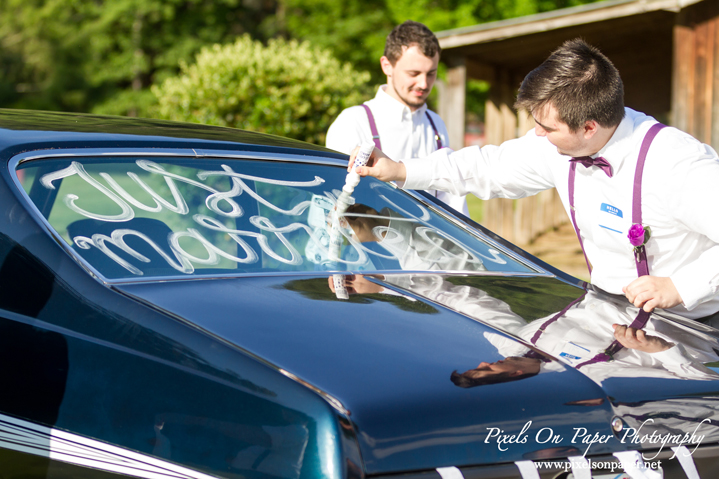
x: 515, y: 169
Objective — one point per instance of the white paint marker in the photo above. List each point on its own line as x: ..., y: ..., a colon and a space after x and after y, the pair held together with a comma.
x: 353, y: 178
x: 335, y: 238
x: 345, y: 199
x: 340, y: 290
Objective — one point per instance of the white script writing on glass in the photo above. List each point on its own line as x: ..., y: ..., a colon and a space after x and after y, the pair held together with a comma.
x: 441, y: 251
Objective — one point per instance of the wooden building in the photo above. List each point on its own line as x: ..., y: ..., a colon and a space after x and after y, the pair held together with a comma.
x: 666, y: 51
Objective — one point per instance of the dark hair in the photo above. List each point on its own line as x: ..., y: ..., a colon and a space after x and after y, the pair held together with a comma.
x: 407, y: 34
x: 580, y: 82
x: 469, y: 382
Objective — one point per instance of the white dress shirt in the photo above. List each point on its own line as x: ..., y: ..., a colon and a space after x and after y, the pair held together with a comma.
x: 680, y: 197
x: 418, y: 248
x: 584, y: 331
x: 403, y: 133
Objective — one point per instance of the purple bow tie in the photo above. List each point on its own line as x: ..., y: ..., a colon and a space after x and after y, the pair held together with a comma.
x: 535, y: 355
x: 588, y: 161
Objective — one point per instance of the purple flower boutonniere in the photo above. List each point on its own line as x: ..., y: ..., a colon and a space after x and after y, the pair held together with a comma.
x: 639, y: 235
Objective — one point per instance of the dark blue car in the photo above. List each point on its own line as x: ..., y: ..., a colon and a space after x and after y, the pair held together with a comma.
x: 169, y: 308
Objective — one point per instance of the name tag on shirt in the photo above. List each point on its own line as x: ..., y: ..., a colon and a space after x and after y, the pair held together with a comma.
x: 573, y: 354
x: 612, y: 218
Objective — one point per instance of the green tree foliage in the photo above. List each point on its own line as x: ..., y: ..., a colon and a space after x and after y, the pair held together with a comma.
x: 355, y: 30
x: 102, y: 55
x: 285, y: 88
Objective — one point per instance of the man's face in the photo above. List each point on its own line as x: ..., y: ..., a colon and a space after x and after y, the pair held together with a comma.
x: 511, y: 366
x: 363, y: 226
x: 411, y: 78
x: 570, y: 143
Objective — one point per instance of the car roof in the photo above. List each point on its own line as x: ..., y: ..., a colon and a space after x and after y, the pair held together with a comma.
x: 35, y: 130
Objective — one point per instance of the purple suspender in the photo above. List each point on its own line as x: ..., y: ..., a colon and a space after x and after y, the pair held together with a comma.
x: 436, y: 133
x: 572, y: 171
x: 375, y: 133
x: 541, y: 329
x: 640, y: 258
x: 372, y: 127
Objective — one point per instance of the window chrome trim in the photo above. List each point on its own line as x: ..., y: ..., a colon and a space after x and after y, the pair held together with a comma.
x: 169, y: 152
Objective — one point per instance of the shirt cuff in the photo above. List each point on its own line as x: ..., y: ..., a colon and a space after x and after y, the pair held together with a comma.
x: 422, y: 171
x: 692, y: 292
x: 419, y: 173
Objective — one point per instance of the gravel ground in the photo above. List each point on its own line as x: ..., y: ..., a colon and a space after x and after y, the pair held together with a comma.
x: 561, y: 249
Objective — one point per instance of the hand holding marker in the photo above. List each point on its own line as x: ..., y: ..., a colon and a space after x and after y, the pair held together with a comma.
x: 353, y: 178
x: 343, y: 202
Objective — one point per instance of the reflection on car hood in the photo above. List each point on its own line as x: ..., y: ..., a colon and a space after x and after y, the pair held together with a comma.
x: 387, y: 356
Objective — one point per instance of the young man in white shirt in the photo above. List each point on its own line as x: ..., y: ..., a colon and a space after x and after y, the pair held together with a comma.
x: 576, y: 98
x: 404, y: 127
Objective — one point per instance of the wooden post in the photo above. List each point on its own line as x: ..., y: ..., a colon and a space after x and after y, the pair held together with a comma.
x: 683, y: 79
x: 695, y: 80
x: 453, y: 101
x: 501, y: 125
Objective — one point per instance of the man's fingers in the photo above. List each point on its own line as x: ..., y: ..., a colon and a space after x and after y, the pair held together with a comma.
x: 650, y: 292
x: 620, y: 332
x: 353, y: 155
x: 631, y: 334
x: 646, y: 301
x: 641, y: 335
x: 650, y: 305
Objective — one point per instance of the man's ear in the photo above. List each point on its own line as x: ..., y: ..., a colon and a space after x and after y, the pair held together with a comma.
x: 386, y: 66
x: 590, y: 128
x: 518, y: 372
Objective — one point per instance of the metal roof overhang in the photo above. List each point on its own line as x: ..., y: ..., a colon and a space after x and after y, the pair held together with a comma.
x: 518, y: 42
x: 635, y: 34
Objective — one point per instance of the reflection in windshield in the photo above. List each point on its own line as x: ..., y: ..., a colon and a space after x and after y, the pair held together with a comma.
x: 416, y: 246
x: 146, y: 218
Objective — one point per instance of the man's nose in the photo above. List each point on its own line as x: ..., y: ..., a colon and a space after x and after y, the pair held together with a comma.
x: 539, y: 131
x: 422, y: 82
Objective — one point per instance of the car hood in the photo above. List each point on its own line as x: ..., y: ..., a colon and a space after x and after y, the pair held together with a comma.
x: 387, y: 357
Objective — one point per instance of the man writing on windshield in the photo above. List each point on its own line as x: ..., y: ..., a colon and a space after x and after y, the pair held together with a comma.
x: 577, y: 100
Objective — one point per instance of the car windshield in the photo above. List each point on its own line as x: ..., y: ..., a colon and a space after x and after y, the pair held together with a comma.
x: 150, y: 217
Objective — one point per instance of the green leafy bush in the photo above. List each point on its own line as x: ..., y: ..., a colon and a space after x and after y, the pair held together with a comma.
x: 285, y: 88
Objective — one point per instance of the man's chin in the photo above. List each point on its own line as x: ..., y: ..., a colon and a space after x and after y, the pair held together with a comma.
x: 416, y: 103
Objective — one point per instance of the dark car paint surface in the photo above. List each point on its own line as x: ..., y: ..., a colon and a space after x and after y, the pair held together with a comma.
x: 209, y: 374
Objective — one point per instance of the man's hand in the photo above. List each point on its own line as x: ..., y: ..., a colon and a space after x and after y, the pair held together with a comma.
x: 357, y: 284
x: 633, y: 338
x: 380, y: 166
x: 649, y: 292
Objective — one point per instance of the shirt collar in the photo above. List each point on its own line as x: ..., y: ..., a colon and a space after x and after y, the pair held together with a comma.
x: 620, y: 145
x: 393, y: 108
